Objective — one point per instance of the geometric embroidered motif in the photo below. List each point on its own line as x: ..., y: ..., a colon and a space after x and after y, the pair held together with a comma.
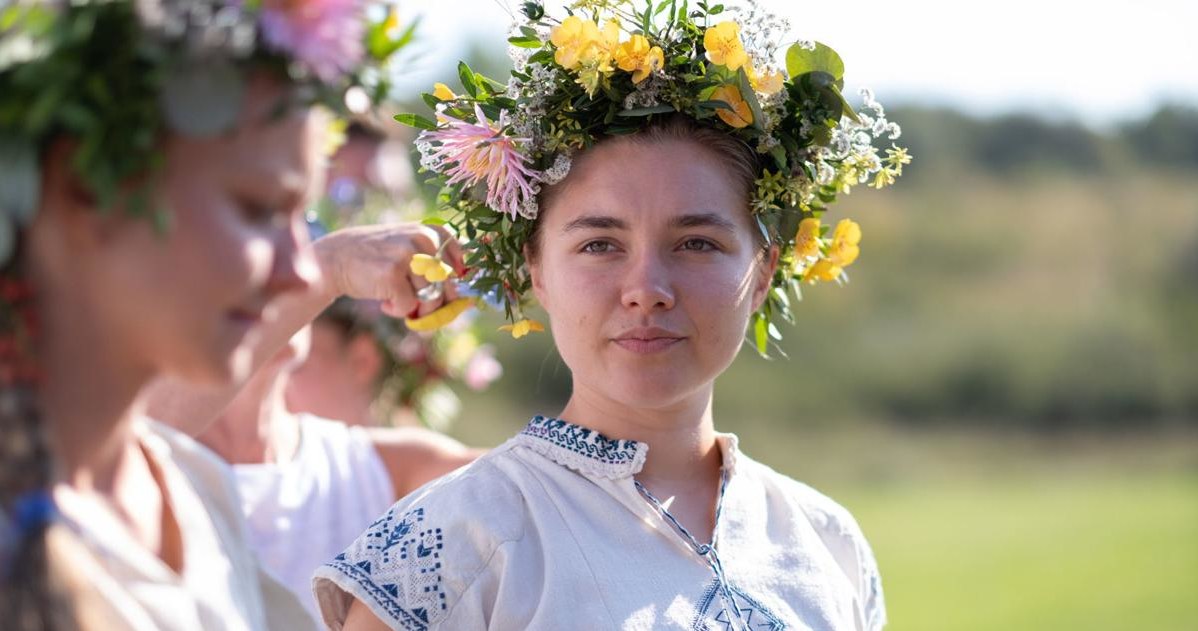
x: 405, y: 576
x: 582, y: 441
x: 714, y: 616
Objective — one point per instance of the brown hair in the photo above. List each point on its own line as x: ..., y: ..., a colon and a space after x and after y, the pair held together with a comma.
x: 738, y: 155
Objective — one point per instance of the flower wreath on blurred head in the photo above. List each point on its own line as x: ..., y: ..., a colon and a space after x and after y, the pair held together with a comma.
x: 115, y: 76
x: 604, y: 68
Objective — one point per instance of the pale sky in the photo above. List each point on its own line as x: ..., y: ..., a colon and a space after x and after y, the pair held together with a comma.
x: 1101, y: 61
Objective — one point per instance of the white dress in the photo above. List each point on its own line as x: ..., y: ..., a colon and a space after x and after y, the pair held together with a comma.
x: 550, y: 532
x: 221, y: 587
x: 302, y: 513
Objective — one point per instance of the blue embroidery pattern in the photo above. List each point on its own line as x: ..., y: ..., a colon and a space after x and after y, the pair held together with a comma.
x: 581, y: 440
x: 753, y: 613
x: 406, y: 568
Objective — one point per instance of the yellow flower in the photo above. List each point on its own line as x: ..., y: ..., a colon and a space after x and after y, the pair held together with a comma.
x: 638, y: 57
x: 824, y: 270
x: 579, y: 41
x: 442, y: 91
x: 845, y: 240
x: 439, y: 318
x: 724, y: 47
x: 843, y: 251
x: 740, y: 115
x: 571, y: 37
x: 807, y: 238
x: 768, y: 84
x: 433, y: 269
x: 522, y: 328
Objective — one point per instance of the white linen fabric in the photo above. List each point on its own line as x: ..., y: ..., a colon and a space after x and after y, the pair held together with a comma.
x: 221, y: 586
x: 302, y: 513
x: 550, y: 531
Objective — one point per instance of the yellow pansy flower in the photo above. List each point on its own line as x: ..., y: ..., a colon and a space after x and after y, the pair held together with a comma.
x: 740, y: 115
x: 441, y: 317
x: 522, y: 327
x: 637, y: 57
x: 822, y: 269
x: 768, y: 84
x: 580, y: 41
x: 807, y: 238
x: 724, y: 47
x: 843, y: 251
x: 845, y: 240
x: 433, y: 269
x: 442, y: 91
x: 571, y: 37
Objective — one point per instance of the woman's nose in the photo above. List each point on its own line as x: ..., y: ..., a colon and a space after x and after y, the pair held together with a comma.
x: 647, y: 285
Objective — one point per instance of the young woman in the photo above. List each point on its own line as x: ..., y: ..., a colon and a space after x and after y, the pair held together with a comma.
x: 108, y: 520
x: 665, y: 240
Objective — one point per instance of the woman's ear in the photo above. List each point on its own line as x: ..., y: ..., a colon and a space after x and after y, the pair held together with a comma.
x: 534, y: 274
x: 765, y: 275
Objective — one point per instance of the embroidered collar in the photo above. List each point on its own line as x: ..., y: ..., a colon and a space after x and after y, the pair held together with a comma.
x: 584, y: 450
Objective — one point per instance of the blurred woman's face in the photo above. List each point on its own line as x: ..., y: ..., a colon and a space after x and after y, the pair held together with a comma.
x: 190, y: 302
x: 649, y: 271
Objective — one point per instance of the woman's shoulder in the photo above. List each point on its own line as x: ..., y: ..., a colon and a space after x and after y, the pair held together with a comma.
x: 413, y: 564
x: 837, y: 529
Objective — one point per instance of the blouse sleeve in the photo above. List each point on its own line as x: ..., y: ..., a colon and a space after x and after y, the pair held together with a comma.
x: 843, y: 538
x: 414, y: 564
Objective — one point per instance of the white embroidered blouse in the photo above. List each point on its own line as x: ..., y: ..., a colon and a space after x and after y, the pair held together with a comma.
x: 550, y: 531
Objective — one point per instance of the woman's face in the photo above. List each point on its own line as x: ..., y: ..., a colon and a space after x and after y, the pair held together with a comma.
x: 190, y: 302
x: 649, y: 271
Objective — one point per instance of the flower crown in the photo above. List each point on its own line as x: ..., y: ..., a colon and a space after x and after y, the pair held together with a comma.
x: 611, y: 67
x: 116, y: 74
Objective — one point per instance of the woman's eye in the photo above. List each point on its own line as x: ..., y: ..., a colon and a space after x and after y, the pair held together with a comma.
x: 698, y: 245
x: 597, y: 247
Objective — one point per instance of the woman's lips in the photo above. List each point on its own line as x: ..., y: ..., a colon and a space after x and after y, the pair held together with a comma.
x: 648, y: 341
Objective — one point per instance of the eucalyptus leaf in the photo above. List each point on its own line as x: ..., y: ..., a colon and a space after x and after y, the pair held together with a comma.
x: 20, y: 180
x: 203, y: 99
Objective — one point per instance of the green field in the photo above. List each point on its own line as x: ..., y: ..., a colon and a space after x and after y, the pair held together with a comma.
x: 1094, y: 552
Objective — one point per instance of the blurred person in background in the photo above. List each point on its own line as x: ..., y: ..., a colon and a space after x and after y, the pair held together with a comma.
x: 309, y: 485
x: 156, y: 160
x: 309, y: 438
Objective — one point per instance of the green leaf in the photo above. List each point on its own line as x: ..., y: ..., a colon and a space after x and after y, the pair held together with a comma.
x: 416, y: 120
x: 466, y: 75
x: 800, y: 61
x: 525, y: 42
x: 750, y: 97
x: 646, y: 111
x: 761, y: 334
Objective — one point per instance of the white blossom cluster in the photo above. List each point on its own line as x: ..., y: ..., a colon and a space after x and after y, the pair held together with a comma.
x: 206, y: 26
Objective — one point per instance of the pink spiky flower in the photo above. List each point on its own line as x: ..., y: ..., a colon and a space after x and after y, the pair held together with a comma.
x: 323, y: 35
x: 477, y: 152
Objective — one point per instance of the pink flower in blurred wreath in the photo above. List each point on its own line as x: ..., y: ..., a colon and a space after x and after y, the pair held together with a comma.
x: 474, y: 152
x: 326, y: 36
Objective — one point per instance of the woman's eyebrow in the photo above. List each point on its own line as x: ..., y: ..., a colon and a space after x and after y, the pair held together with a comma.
x: 701, y: 220
x: 595, y: 222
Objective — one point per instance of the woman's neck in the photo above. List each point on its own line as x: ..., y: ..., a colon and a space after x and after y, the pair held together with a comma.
x: 680, y: 437
x: 257, y: 428
x: 88, y: 395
